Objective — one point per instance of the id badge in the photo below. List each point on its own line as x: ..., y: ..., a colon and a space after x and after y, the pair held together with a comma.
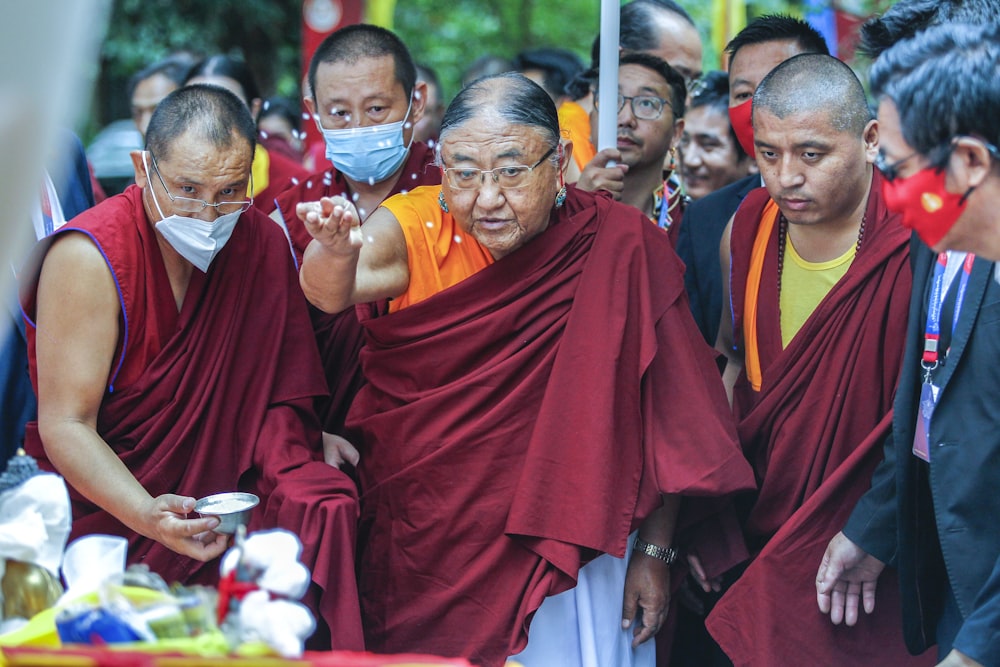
x: 921, y: 435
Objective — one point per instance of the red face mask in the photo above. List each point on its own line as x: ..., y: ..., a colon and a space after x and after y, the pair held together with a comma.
x: 740, y: 119
x: 924, y: 204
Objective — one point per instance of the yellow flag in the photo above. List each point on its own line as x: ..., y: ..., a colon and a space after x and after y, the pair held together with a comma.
x: 379, y: 12
x: 728, y: 18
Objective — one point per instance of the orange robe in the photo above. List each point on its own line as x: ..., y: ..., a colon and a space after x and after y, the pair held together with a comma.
x: 574, y: 123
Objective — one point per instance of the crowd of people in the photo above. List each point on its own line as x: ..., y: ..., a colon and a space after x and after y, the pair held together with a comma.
x: 717, y: 395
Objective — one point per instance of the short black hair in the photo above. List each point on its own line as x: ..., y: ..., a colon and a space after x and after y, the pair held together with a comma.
x: 559, y: 67
x: 943, y: 82
x: 815, y: 83
x: 174, y: 67
x: 283, y: 107
x: 779, y: 28
x: 676, y: 83
x: 363, y: 40
x: 231, y: 68
x: 213, y: 112
x: 513, y: 96
x: 712, y: 91
x: 908, y: 17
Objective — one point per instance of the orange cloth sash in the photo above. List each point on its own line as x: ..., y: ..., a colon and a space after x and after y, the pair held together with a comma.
x: 439, y: 252
x: 752, y: 353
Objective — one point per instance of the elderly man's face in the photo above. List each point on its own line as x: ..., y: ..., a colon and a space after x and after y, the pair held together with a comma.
x: 193, y: 167
x: 364, y: 93
x: 502, y: 220
x: 815, y: 172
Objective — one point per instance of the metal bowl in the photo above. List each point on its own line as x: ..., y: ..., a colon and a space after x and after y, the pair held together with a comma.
x: 233, y: 509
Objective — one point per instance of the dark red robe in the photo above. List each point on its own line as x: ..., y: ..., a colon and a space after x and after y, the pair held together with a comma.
x: 525, y: 420
x: 339, y: 335
x: 283, y: 173
x: 813, y: 434
x: 218, y: 397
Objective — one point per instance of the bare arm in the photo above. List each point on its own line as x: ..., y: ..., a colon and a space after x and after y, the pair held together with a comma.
x: 344, y: 265
x: 724, y: 342
x: 77, y: 332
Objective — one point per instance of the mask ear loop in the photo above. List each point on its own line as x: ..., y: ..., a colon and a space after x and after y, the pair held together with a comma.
x: 149, y: 180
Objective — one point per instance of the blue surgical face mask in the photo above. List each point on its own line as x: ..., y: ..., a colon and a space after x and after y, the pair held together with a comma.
x: 197, y: 241
x: 367, y: 154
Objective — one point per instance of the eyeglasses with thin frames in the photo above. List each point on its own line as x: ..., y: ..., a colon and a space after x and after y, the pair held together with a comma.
x: 509, y: 177
x: 192, y: 205
x: 644, y: 107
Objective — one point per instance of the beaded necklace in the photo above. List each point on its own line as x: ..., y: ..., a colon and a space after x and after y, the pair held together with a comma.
x: 783, y: 234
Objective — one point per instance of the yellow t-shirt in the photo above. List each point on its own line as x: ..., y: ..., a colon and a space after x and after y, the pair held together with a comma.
x: 804, y: 284
x: 440, y: 253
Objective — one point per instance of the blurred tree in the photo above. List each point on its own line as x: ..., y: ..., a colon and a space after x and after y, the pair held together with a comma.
x: 448, y: 36
x: 263, y: 32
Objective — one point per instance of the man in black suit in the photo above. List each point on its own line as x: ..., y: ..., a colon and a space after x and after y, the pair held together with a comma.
x: 933, y: 504
x: 756, y: 50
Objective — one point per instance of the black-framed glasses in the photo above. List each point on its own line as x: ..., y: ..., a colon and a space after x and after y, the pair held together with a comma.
x: 509, y: 177
x: 644, y: 107
x: 192, y: 205
x: 890, y: 170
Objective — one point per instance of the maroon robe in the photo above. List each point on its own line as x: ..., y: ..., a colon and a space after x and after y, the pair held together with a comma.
x: 339, y: 335
x: 283, y: 173
x: 217, y: 397
x: 813, y: 434
x: 525, y: 420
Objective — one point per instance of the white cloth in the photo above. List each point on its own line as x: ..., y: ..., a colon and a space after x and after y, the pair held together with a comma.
x: 91, y: 560
x: 35, y: 522
x: 582, y: 627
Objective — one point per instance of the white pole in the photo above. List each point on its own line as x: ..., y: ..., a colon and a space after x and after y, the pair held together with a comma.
x: 607, y: 86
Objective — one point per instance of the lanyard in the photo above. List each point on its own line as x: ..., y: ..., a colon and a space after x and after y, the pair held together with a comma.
x: 932, y: 332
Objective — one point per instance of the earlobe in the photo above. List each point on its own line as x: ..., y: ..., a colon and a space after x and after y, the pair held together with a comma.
x: 871, y: 140
x: 139, y: 168
x: 971, y: 162
x: 565, y: 153
x: 419, y: 101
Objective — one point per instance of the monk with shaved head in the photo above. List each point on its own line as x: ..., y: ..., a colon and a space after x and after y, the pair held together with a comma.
x: 817, y: 279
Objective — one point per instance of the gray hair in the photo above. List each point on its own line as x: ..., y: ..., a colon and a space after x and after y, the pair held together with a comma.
x: 512, y: 96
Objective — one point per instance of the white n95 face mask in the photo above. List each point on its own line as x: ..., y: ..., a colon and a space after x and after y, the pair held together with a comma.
x: 197, y: 241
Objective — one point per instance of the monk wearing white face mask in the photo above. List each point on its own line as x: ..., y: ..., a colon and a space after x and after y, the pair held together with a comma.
x: 172, y: 354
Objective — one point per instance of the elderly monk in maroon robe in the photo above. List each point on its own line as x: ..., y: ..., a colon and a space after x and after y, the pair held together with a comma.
x: 172, y: 355
x: 365, y: 99
x: 535, y: 390
x: 818, y: 282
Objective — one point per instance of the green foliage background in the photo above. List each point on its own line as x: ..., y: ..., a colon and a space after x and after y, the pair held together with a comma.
x: 448, y: 36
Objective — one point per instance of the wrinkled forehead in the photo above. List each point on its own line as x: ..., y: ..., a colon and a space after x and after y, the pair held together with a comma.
x: 487, y: 136
x: 198, y: 150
